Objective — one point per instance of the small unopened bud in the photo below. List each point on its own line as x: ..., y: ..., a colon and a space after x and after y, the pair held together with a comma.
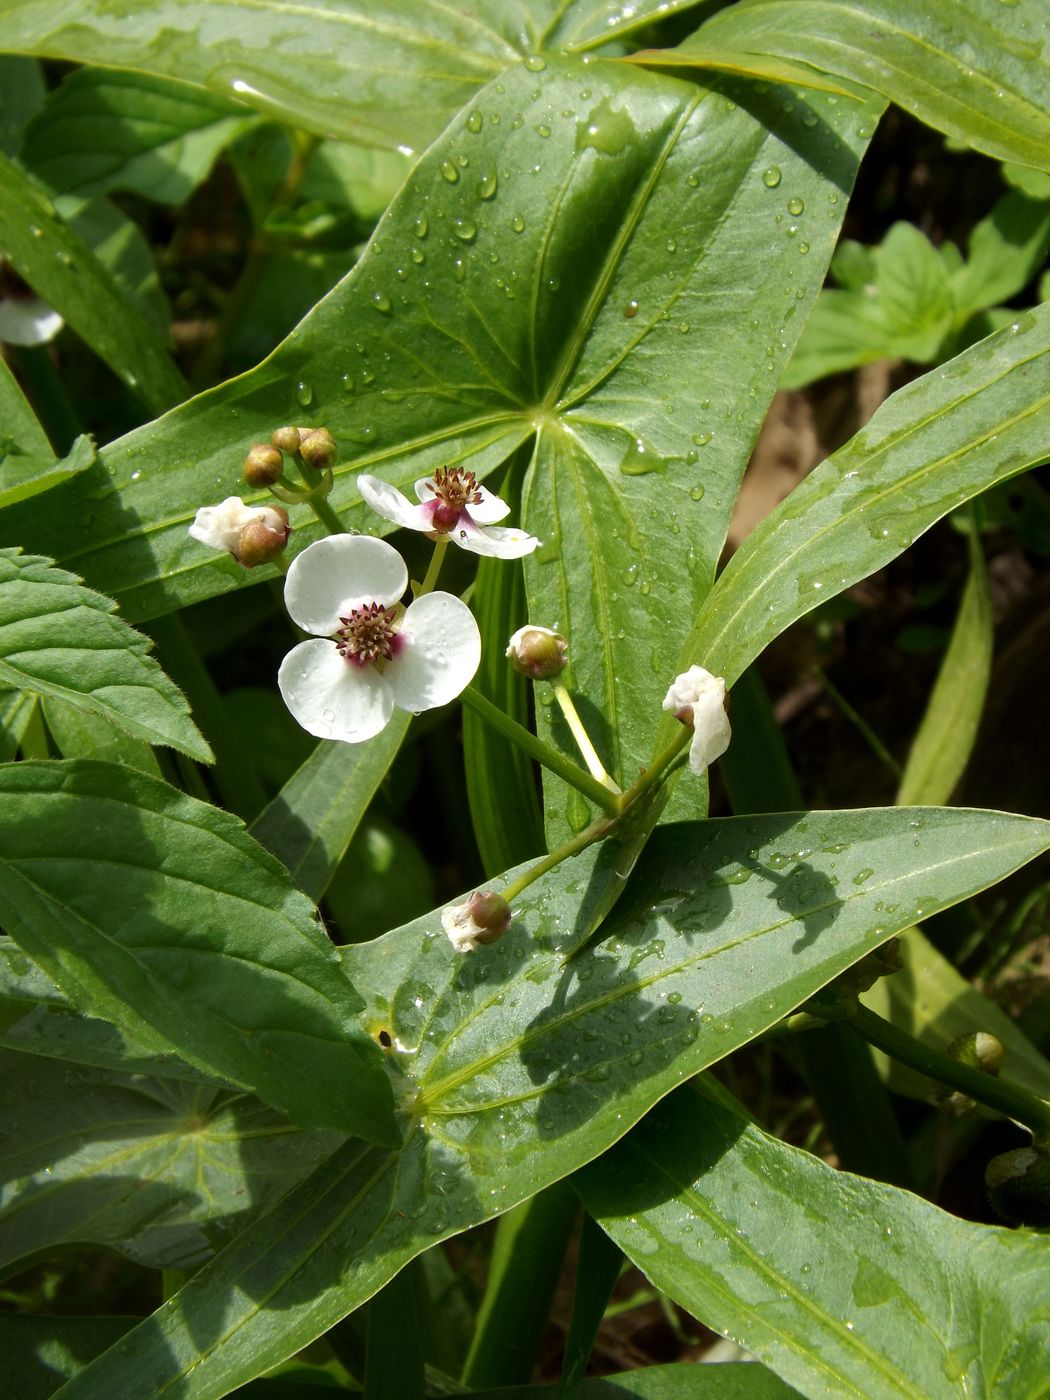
x: 263, y: 464
x: 263, y: 538
x: 979, y: 1050
x: 1018, y: 1185
x: 317, y: 448
x: 286, y: 439
x: 538, y: 653
x: 484, y: 918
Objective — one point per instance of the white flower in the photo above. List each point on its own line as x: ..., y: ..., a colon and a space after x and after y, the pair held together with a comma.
x: 451, y: 503
x: 698, y: 699
x: 367, y: 655
x: 222, y: 526
x: 483, y: 918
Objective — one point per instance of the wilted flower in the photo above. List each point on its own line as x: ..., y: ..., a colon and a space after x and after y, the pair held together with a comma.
x: 483, y: 918
x: 369, y: 655
x: 453, y: 504
x: 698, y: 699
x: 537, y: 652
x: 252, y: 534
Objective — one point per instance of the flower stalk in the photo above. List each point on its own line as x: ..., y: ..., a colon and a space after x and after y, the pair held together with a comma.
x: 583, y: 740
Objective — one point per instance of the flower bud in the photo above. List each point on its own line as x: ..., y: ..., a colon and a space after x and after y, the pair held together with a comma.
x: 317, y: 448
x: 538, y: 653
x: 1018, y: 1185
x: 263, y: 538
x: 286, y: 439
x: 979, y: 1050
x: 698, y: 700
x: 263, y: 464
x: 484, y: 918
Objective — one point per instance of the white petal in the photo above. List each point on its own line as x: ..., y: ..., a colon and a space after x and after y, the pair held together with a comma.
x: 711, y: 733
x: 460, y: 927
x: 219, y: 527
x: 496, y: 541
x: 440, y: 653
x: 332, y: 698
x: 339, y: 573
x: 489, y: 509
x: 387, y: 501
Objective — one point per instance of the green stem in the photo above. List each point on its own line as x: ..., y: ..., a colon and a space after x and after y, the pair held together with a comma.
x: 327, y: 516
x: 659, y: 767
x: 564, y: 767
x: 597, y: 831
x: 861, y: 725
x: 1008, y: 1099
x: 436, y: 560
x: 583, y: 739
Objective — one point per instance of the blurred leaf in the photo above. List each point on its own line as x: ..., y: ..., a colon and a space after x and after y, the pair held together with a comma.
x: 1006, y: 250
x: 59, y: 638
x: 383, y: 881
x: 945, y: 739
x: 61, y: 268
x: 278, y: 746
x: 934, y: 444
x: 40, y: 1353
x: 163, y: 1171
x: 975, y: 69
x: 933, y: 1002
x: 841, y: 1285
x: 517, y: 1066
x: 363, y: 180
x: 121, y: 248
x: 914, y: 292
x: 27, y: 462
x: 103, y: 130
x: 202, y: 946
x: 22, y: 84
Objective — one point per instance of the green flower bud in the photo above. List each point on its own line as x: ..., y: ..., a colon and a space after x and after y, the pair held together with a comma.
x: 263, y: 538
x: 263, y: 464
x: 287, y: 439
x: 538, y: 653
x: 1018, y: 1185
x: 317, y: 448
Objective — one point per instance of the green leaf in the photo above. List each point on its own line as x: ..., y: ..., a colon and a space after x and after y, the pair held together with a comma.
x: 27, y: 463
x: 121, y: 248
x: 519, y: 1065
x: 311, y: 822
x: 35, y: 1017
x: 934, y: 444
x: 846, y: 330
x: 163, y: 1171
x: 501, y: 782
x: 202, y: 945
x: 734, y: 1380
x: 1005, y: 252
x: 40, y: 1353
x: 945, y: 739
x: 23, y: 435
x: 104, y: 130
x: 59, y: 638
x: 17, y: 713
x: 974, y: 69
x: 392, y: 78
x: 843, y: 1286
x: 914, y: 292
x: 24, y: 92
x: 61, y: 268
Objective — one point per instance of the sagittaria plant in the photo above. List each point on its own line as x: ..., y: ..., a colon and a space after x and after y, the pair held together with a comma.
x: 556, y: 255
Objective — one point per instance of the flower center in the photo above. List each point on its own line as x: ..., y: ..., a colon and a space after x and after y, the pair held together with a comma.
x: 368, y: 635
x: 454, y: 488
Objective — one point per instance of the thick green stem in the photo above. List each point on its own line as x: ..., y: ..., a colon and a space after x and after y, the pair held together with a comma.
x: 564, y: 767
x: 583, y: 739
x: 1005, y: 1098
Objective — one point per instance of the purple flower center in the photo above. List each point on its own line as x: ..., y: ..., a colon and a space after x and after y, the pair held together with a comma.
x: 369, y: 635
x: 453, y: 490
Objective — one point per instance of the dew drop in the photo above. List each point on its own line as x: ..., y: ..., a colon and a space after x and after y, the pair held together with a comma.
x: 543, y: 130
x: 803, y: 248
x: 518, y: 224
x: 418, y: 256
x: 381, y: 302
x: 630, y: 310
x: 771, y: 177
x: 640, y: 460
x: 421, y: 226
x: 487, y: 185
x: 697, y: 493
x: 672, y: 245
x: 535, y: 63
x: 475, y: 121
x: 862, y: 876
x: 692, y: 181
x: 448, y: 172
x: 304, y: 393
x: 795, y: 206
x: 466, y: 230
